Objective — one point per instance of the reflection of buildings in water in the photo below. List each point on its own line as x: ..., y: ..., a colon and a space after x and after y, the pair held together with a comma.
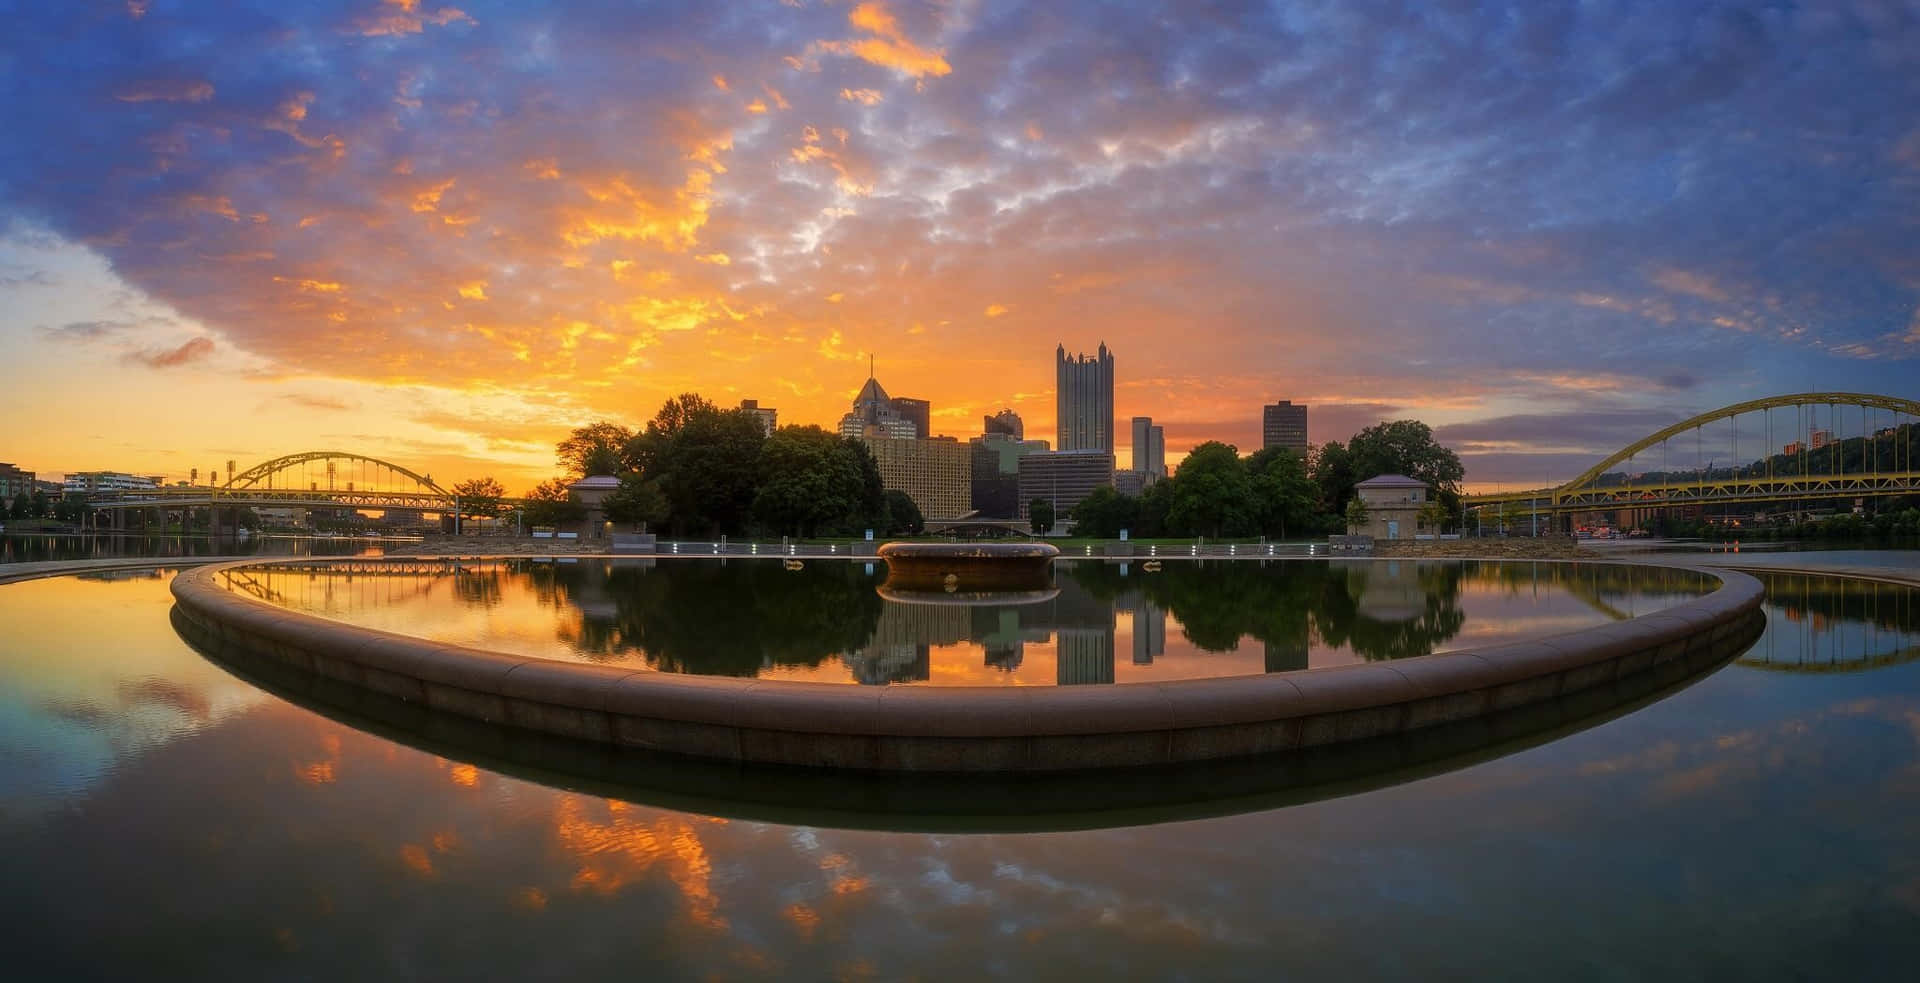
x: 900, y: 648
x: 1287, y: 656
x: 1389, y: 590
x: 998, y: 631
x: 1085, y: 656
x: 1149, y: 631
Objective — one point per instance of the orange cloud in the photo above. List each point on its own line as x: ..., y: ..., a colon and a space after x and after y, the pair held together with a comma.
x: 177, y: 90
x: 888, y: 47
x: 405, y: 17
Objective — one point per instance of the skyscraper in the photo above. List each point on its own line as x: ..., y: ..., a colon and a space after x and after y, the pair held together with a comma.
x: 1004, y: 422
x: 1083, y: 400
x: 1149, y: 447
x: 1284, y: 425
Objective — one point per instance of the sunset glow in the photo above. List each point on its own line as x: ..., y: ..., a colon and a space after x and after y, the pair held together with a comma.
x: 445, y: 235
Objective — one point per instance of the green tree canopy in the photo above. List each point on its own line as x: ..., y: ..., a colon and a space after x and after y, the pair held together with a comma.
x: 812, y: 482
x: 637, y: 502
x: 1212, y: 494
x: 1286, y: 495
x: 1104, y: 512
x: 574, y: 450
x: 903, y: 514
x: 1040, y: 516
x: 1407, y: 447
x: 709, y: 470
x: 551, y: 503
x: 481, y: 497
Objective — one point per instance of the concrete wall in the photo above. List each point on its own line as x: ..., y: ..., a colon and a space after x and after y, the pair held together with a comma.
x: 970, y: 729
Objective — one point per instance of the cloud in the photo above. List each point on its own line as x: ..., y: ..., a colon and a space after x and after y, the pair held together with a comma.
x: 81, y: 331
x: 191, y: 350
x: 162, y: 90
x: 312, y: 402
x: 887, y: 44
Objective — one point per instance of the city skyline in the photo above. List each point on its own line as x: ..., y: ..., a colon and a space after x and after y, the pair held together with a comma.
x: 445, y: 236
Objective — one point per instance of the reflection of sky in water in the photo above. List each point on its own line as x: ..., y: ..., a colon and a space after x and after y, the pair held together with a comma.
x: 1755, y: 824
x: 71, y: 707
x: 1108, y: 623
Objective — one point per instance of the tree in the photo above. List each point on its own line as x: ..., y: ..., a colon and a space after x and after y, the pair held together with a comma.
x: 1212, y: 495
x: 40, y: 504
x: 1103, y: 513
x: 1332, y: 470
x: 1407, y: 447
x: 582, y: 441
x: 602, y: 460
x: 709, y: 471
x: 1285, y: 494
x: 642, y: 451
x: 810, y: 482
x: 22, y: 505
x: 903, y: 514
x: 551, y: 503
x: 637, y: 502
x: 1040, y: 516
x: 480, y: 497
x: 1356, y: 514
x: 1433, y: 515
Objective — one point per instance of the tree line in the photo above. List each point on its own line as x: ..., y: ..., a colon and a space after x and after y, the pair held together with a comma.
x: 1275, y: 492
x: 696, y: 469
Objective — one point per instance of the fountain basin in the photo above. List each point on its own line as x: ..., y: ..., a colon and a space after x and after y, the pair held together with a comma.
x: 969, y: 567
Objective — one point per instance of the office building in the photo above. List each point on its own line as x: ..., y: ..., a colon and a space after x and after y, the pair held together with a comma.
x: 1006, y: 423
x: 1821, y: 438
x: 768, y: 416
x: 1149, y: 448
x: 937, y: 473
x: 1084, y: 656
x: 1063, y: 478
x: 99, y: 481
x: 996, y: 472
x: 1284, y: 425
x: 1149, y: 631
x: 14, y: 482
x: 1083, y: 400
x: 915, y: 411
x: 875, y: 414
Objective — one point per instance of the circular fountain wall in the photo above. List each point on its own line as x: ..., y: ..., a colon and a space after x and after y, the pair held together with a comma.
x: 974, y: 729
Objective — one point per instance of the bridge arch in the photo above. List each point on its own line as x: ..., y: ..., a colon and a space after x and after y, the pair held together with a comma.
x: 251, y: 477
x: 1866, y: 400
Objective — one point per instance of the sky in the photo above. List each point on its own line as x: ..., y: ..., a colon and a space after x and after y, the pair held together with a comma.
x: 445, y: 235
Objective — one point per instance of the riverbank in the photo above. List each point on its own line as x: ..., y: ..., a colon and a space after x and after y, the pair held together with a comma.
x: 1514, y: 548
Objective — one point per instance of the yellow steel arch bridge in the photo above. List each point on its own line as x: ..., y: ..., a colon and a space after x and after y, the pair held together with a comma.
x: 1763, y: 452
x: 311, y: 479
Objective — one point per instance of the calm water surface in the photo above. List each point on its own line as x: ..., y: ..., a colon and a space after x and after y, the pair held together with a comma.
x: 161, y: 819
x: 26, y: 547
x: 1108, y: 622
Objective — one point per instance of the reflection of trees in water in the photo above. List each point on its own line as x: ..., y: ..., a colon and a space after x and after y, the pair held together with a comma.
x: 483, y: 587
x: 1385, y: 611
x: 714, y: 618
x: 1825, y: 601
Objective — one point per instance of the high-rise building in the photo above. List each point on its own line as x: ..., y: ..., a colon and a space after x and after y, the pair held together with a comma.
x: 1149, y: 447
x: 1149, y: 631
x: 874, y: 414
x: 937, y: 473
x: 767, y: 415
x: 1284, y: 425
x: 1821, y: 438
x: 1063, y: 478
x: 1005, y: 422
x: 917, y: 412
x: 1083, y: 656
x: 996, y: 473
x: 1083, y: 400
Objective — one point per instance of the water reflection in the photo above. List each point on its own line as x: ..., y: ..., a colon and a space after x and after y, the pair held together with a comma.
x: 1836, y: 624
x: 268, y: 841
x: 1102, y: 623
x: 27, y: 547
